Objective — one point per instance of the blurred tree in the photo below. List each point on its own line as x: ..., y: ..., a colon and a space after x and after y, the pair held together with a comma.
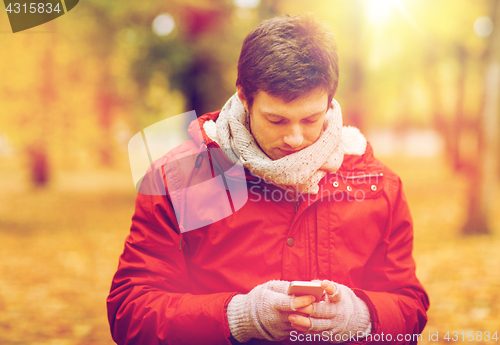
x: 201, y: 78
x: 193, y: 57
x: 270, y: 8
x: 484, y: 175
x: 450, y: 64
x: 456, y: 159
x: 354, y: 66
x: 37, y: 149
x: 100, y: 39
x: 105, y: 94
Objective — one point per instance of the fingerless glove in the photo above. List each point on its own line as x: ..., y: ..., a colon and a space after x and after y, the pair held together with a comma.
x: 341, y: 313
x: 262, y: 313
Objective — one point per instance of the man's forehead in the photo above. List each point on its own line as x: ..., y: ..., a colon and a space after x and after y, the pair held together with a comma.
x: 313, y: 103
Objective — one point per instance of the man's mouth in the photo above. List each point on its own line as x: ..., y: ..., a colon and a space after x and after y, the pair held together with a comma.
x: 288, y: 152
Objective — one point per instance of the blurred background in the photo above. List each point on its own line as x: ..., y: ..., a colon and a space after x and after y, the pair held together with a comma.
x: 421, y: 78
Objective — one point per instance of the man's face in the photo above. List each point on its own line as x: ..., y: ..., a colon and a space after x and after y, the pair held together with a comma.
x: 282, y: 128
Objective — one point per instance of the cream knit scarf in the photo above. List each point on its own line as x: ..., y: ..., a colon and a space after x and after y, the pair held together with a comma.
x: 300, y: 171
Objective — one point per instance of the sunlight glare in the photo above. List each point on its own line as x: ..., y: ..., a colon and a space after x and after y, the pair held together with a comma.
x: 379, y: 11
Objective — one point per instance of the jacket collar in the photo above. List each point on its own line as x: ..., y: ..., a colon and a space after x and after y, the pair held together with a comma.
x: 197, y: 132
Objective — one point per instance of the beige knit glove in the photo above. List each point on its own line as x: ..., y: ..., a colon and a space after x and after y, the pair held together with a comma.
x: 262, y: 313
x: 339, y: 314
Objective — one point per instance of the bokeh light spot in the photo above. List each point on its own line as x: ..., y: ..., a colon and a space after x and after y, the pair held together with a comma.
x: 246, y: 3
x: 483, y: 26
x: 163, y: 24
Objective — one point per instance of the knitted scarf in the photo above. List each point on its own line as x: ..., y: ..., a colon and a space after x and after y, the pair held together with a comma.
x: 300, y: 171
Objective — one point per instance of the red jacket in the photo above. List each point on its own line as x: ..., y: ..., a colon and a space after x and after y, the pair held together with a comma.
x: 356, y: 231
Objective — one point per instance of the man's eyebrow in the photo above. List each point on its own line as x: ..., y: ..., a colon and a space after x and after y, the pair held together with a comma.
x: 282, y: 117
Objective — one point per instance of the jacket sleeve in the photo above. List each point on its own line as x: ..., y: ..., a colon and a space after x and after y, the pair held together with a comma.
x: 396, y: 299
x: 149, y: 302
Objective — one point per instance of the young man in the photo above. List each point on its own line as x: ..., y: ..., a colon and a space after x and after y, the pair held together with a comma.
x: 319, y: 207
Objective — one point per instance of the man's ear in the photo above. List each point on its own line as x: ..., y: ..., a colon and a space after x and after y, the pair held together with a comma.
x: 242, y: 98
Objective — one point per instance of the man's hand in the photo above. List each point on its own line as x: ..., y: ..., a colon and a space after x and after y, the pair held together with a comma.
x: 340, y: 312
x: 303, y: 303
x: 303, y: 323
x: 263, y: 312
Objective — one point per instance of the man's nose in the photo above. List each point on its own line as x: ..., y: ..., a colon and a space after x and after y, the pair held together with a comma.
x: 294, y: 138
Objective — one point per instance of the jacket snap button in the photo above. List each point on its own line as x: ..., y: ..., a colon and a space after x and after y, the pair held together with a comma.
x: 290, y: 242
x: 335, y: 184
x: 349, y: 188
x: 373, y: 187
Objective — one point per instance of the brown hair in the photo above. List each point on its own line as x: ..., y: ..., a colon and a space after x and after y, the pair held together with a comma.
x: 287, y: 57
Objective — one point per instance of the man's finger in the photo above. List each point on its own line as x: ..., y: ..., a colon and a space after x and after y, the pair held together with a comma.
x: 306, y: 310
x: 299, y: 322
x: 328, y: 286
x: 302, y: 301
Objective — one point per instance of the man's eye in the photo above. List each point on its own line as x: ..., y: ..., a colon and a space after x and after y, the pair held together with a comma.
x: 313, y: 120
x: 275, y: 121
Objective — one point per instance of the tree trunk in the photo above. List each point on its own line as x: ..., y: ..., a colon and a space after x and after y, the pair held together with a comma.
x: 38, y: 165
x: 459, y: 117
x: 38, y: 149
x: 483, y: 204
x: 105, y: 100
